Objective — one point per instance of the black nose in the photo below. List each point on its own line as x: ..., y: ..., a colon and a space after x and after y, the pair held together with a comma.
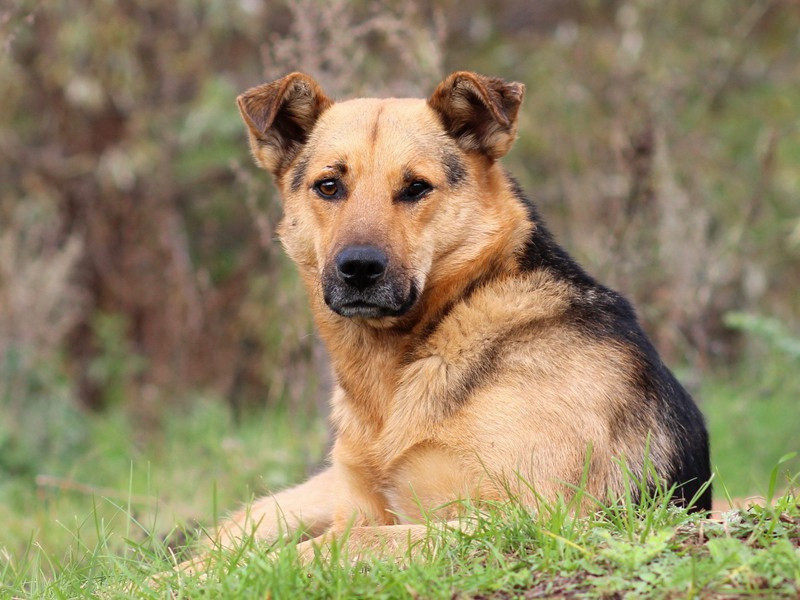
x: 361, y: 266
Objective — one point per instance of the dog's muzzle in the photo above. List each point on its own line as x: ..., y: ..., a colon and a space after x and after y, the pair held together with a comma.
x: 359, y: 282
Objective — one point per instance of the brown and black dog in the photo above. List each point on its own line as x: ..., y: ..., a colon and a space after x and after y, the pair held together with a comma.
x: 469, y: 350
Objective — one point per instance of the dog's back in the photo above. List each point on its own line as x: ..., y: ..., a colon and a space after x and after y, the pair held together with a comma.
x: 661, y: 403
x: 536, y: 371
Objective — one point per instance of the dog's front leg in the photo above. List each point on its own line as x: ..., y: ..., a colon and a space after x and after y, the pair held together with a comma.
x: 309, y: 505
x: 387, y: 542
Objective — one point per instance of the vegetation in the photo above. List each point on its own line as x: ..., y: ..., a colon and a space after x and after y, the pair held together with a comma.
x: 660, y: 141
x: 505, y: 551
x: 157, y: 361
x: 121, y: 503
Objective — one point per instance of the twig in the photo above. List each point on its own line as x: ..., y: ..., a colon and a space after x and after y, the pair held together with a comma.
x: 50, y: 481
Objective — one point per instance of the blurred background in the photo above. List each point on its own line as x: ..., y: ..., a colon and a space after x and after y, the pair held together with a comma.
x: 157, y: 356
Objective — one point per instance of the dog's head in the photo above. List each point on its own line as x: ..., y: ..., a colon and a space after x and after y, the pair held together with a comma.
x: 378, y: 192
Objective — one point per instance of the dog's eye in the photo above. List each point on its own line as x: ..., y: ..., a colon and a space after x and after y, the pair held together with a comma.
x: 415, y: 191
x: 328, y: 189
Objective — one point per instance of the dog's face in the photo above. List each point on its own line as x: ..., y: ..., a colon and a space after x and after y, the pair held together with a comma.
x: 378, y: 192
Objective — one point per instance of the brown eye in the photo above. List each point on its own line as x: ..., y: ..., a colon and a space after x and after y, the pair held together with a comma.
x: 328, y: 188
x: 415, y: 191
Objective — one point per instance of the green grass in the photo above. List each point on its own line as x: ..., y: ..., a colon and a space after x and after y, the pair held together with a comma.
x: 100, y: 515
x: 751, y: 428
x: 508, y: 551
x: 125, y: 482
x: 752, y: 410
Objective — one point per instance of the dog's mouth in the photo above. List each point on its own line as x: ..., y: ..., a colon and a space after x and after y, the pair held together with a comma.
x: 365, y: 310
x: 383, y: 301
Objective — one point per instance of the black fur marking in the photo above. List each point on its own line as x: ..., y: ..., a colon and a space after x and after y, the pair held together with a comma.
x: 339, y: 168
x: 430, y: 328
x: 542, y: 251
x: 299, y: 174
x: 601, y: 313
x: 454, y: 169
x: 483, y: 369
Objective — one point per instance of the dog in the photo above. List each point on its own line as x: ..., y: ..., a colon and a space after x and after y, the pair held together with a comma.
x: 470, y: 351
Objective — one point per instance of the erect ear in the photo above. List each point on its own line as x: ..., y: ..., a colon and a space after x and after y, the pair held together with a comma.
x: 479, y: 112
x: 279, y: 116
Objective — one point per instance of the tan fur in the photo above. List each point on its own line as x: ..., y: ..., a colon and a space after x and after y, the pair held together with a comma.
x: 501, y: 389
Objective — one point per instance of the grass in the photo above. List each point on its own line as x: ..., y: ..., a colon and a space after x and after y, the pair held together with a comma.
x: 750, y: 432
x: 99, y: 516
x: 508, y: 552
x: 123, y: 483
x: 752, y: 409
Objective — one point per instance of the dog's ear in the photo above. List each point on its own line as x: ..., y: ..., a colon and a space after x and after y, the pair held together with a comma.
x: 279, y: 116
x: 479, y: 112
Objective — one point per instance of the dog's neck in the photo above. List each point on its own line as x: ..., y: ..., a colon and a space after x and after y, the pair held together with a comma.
x: 377, y: 351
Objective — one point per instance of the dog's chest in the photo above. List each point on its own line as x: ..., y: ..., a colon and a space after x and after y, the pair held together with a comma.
x: 407, y: 469
x: 429, y: 480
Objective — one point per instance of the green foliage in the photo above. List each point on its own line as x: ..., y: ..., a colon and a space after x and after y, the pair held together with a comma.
x: 503, y: 549
x: 119, y: 482
x: 753, y: 410
x: 659, y: 139
x: 114, y: 366
x: 131, y: 496
x: 630, y: 558
x: 773, y: 332
x: 38, y: 420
